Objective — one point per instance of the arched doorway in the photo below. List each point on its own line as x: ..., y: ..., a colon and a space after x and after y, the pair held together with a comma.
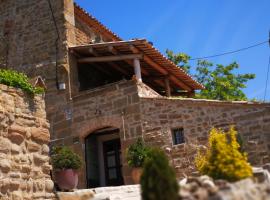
x: 103, y: 158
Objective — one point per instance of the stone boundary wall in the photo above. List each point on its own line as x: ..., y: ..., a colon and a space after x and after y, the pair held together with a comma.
x: 114, y: 105
x: 24, y: 137
x: 197, y: 117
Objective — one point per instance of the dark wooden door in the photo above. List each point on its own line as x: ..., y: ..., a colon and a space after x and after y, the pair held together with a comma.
x: 112, y: 162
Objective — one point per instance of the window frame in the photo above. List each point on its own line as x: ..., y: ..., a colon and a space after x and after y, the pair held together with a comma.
x: 174, y: 136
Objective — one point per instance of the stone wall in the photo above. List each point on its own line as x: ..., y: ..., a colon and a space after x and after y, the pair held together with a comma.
x: 31, y: 35
x: 197, y: 117
x: 85, y: 34
x: 89, y: 30
x: 125, y: 103
x: 145, y: 91
x: 24, y: 137
x: 115, y: 105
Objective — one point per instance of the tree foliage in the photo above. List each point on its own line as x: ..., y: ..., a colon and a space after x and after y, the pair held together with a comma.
x: 180, y: 59
x: 220, y: 81
x: 158, y: 181
x: 223, y: 158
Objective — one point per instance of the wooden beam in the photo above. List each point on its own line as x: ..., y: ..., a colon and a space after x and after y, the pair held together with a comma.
x: 167, y: 87
x: 155, y: 77
x: 101, y: 69
x: 145, y: 73
x: 161, y: 70
x: 115, y: 66
x: 179, y: 83
x: 110, y: 58
x: 75, y: 53
x: 106, y: 44
x: 112, y: 50
x: 129, y: 62
x: 191, y: 94
x: 149, y: 61
x: 91, y: 50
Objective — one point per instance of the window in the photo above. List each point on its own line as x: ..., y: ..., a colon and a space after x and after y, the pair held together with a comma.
x: 178, y: 136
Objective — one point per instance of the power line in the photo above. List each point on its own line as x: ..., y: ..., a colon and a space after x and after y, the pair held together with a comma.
x: 267, y: 77
x: 231, y: 52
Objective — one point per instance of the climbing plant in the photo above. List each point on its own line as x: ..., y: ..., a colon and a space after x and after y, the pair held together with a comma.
x: 18, y: 80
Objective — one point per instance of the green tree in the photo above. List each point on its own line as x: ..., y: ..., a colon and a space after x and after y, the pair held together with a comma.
x: 180, y: 59
x: 220, y: 81
x: 223, y: 158
x: 158, y: 181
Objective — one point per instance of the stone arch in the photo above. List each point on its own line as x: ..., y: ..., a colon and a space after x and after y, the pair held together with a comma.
x: 92, y: 125
x: 102, y: 140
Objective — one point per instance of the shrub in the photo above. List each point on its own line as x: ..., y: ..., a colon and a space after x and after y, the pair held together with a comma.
x: 64, y: 158
x: 223, y: 159
x: 18, y: 80
x: 137, y: 153
x: 158, y: 181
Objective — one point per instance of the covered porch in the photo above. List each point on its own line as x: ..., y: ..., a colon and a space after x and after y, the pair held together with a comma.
x: 103, y: 63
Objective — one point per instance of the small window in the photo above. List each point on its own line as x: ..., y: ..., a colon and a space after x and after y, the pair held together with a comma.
x: 178, y: 136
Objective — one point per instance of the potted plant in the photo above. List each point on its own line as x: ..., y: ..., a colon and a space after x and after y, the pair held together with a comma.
x: 136, y: 155
x: 65, y: 163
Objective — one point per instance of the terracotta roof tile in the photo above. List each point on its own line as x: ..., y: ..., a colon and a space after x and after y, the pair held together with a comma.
x: 147, y: 49
x: 92, y: 20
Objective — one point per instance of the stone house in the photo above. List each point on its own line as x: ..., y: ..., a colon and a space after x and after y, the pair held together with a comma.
x: 104, y: 92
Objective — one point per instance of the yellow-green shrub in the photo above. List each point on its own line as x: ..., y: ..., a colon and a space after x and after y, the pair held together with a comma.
x: 223, y: 159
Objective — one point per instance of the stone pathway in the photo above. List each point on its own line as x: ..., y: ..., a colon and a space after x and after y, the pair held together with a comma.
x: 129, y: 192
x: 195, y: 188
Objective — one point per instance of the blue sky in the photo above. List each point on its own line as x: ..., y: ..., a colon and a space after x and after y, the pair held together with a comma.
x: 196, y: 27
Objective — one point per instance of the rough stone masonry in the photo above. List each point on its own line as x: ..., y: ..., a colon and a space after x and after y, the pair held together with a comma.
x: 136, y: 110
x: 24, y: 137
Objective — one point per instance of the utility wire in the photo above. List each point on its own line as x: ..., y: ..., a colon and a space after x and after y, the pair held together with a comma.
x: 231, y: 52
x: 267, y: 78
x: 56, y: 43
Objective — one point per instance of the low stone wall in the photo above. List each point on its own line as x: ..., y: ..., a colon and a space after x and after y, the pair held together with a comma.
x: 161, y: 115
x: 24, y: 135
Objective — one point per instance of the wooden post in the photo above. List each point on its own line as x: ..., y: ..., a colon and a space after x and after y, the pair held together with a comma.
x: 191, y: 94
x: 167, y: 87
x: 137, y: 69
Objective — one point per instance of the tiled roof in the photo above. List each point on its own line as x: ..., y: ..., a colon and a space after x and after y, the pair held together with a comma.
x: 149, y: 52
x: 88, y: 18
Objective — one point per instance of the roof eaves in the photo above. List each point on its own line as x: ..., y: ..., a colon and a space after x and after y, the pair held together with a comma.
x: 98, y: 23
x: 173, y: 64
x: 145, y: 42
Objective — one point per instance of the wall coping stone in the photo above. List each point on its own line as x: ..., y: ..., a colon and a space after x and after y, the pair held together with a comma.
x: 101, y: 89
x: 208, y: 101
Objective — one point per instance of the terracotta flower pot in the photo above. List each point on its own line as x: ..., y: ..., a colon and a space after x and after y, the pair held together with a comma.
x: 136, y: 174
x: 66, y: 179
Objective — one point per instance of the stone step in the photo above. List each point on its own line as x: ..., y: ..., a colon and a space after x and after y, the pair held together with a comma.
x: 129, y: 192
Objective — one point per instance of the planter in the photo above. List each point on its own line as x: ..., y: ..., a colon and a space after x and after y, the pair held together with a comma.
x: 66, y: 179
x: 136, y: 174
